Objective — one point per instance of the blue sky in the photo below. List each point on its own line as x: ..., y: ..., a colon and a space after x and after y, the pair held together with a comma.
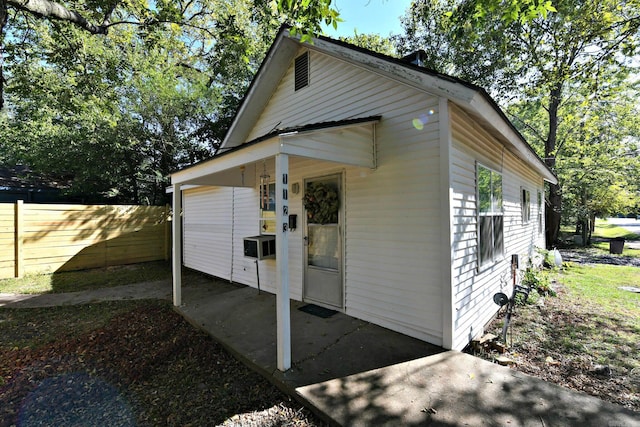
x: 368, y: 16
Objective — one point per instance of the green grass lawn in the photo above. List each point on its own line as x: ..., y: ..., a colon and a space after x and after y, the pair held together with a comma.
x: 608, y: 231
x: 74, y: 281
x: 609, y: 316
x: 597, y: 287
x: 605, y: 230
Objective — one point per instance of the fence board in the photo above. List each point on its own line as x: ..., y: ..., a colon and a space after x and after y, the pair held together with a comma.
x: 73, y: 237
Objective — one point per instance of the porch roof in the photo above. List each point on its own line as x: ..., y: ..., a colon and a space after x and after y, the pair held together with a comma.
x: 348, y: 141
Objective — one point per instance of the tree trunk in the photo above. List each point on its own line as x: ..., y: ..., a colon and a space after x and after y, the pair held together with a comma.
x: 3, y: 22
x: 591, y: 222
x: 554, y: 207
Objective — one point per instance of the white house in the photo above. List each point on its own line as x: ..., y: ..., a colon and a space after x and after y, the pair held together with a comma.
x: 394, y: 194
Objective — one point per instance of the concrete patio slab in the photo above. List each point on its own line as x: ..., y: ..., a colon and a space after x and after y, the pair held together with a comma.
x: 245, y: 322
x: 456, y: 389
x: 353, y: 373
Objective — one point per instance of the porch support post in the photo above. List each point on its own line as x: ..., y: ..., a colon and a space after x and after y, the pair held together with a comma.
x: 176, y: 243
x: 283, y: 313
x: 447, y: 227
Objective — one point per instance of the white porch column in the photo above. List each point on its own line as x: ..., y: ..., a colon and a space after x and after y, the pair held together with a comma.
x: 283, y: 314
x: 176, y: 243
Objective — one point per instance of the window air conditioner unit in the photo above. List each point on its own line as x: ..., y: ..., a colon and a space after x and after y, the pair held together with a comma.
x: 260, y: 247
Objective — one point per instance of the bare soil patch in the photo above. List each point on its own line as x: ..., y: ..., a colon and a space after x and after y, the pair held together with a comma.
x: 542, y: 344
x: 137, y: 363
x: 571, y: 341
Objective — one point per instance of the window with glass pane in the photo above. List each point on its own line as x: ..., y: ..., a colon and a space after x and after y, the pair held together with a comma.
x: 525, y: 203
x: 540, y: 212
x: 323, y: 246
x: 268, y: 211
x: 490, y: 216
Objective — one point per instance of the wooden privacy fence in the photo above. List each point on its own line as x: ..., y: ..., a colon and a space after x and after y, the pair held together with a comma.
x: 36, y: 238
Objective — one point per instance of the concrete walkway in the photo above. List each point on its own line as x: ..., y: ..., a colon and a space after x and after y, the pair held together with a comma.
x: 353, y: 373
x: 158, y: 289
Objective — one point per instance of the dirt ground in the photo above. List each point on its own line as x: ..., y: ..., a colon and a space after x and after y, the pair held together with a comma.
x: 144, y: 367
x: 544, y: 341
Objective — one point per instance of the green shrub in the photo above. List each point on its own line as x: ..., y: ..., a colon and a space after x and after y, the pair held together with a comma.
x: 536, y: 280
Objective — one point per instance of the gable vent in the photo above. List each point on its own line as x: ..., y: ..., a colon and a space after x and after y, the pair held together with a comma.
x: 302, y: 71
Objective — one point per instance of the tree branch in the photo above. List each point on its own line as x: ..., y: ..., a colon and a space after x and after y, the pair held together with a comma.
x: 533, y: 130
x: 3, y: 21
x: 52, y: 10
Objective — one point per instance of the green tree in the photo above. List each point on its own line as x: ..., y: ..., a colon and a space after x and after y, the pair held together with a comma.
x: 119, y: 94
x: 599, y: 163
x: 197, y: 18
x: 372, y: 42
x: 597, y: 142
x: 119, y: 113
x: 536, y: 61
x: 478, y: 13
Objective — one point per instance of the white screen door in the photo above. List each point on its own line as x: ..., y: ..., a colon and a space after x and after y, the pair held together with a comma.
x: 323, y: 265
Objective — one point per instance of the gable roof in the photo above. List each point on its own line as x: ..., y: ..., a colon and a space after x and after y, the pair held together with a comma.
x: 473, y: 99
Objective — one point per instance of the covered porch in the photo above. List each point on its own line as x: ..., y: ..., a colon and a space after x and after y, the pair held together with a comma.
x: 355, y: 373
x: 348, y: 142
x: 245, y: 322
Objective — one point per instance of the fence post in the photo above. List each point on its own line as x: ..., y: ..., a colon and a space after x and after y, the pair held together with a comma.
x: 18, y: 235
x: 167, y: 232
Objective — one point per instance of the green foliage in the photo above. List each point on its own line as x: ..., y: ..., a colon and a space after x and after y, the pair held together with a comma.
x: 155, y: 91
x: 372, y: 42
x: 540, y: 281
x: 306, y: 16
x: 472, y: 13
x: 119, y: 113
x: 564, y: 79
x: 322, y: 203
x: 474, y: 55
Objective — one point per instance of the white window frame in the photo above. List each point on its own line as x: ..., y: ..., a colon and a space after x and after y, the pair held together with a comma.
x: 495, y: 210
x: 540, y: 227
x: 268, y: 216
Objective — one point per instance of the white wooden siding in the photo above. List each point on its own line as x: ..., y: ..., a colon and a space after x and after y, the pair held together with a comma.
x: 207, y: 220
x: 473, y: 289
x: 392, y: 215
x: 245, y: 224
x: 392, y: 254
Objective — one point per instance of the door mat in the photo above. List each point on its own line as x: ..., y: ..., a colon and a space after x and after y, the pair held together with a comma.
x: 316, y: 310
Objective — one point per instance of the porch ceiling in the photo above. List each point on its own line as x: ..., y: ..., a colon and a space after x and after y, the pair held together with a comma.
x: 350, y: 142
